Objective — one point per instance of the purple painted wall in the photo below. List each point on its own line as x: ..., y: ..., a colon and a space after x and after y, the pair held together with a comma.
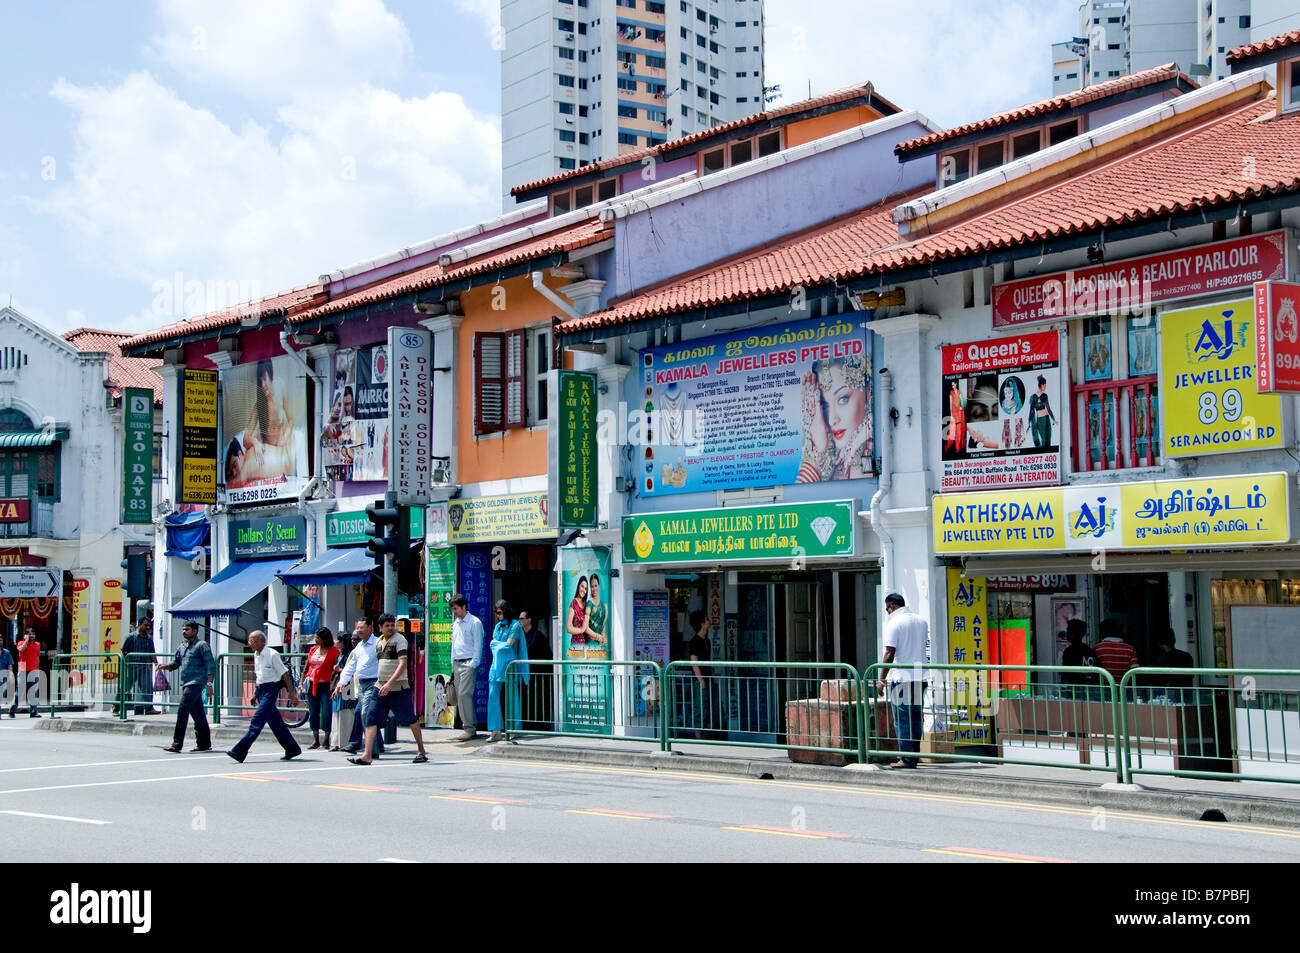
x: 631, y: 181
x: 679, y: 237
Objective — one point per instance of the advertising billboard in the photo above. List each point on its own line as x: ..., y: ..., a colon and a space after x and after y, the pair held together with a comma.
x: 786, y: 404
x: 264, y: 430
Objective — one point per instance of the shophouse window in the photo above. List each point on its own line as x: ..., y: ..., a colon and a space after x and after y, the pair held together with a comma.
x: 1291, y: 86
x: 500, y: 385
x: 1114, y: 396
x: 539, y: 362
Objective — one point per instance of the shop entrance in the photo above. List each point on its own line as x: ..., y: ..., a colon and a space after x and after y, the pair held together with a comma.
x: 528, y: 584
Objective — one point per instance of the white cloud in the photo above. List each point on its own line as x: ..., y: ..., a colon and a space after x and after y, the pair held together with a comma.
x: 282, y: 48
x: 489, y: 11
x: 953, y: 60
x: 159, y: 186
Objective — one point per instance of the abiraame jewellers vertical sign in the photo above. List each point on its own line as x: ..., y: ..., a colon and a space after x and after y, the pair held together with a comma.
x: 410, y: 412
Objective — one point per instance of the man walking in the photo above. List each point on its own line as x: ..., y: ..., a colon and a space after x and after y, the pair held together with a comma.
x: 356, y: 738
x: 393, y: 692
x: 270, y: 672
x: 29, y: 673
x: 466, y: 653
x: 140, y: 644
x: 905, y: 637
x: 363, y: 666
x: 197, y: 669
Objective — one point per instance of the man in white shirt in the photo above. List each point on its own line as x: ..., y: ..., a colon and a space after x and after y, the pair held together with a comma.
x: 362, y: 665
x: 271, y: 673
x: 466, y: 653
x: 905, y: 637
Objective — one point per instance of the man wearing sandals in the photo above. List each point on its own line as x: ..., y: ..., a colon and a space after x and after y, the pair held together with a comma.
x: 392, y: 692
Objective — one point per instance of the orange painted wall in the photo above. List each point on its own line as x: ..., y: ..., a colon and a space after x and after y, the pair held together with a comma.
x: 819, y: 127
x: 516, y: 453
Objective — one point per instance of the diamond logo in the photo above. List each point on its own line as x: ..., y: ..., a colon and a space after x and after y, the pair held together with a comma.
x: 822, y: 528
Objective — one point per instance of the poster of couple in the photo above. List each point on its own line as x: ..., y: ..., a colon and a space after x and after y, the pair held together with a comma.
x: 585, y: 636
x: 264, y: 425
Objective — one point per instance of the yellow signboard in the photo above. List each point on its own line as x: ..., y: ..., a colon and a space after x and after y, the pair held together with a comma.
x: 1200, y: 513
x: 1239, y: 510
x: 110, y: 621
x: 1010, y: 521
x: 1209, y: 398
x: 498, y: 518
x: 968, y: 644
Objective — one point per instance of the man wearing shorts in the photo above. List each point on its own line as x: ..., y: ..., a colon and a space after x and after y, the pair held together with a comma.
x: 392, y: 691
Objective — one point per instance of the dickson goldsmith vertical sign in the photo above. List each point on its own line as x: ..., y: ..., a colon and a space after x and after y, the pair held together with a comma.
x: 410, y: 411
x: 137, y: 455
x: 197, y: 460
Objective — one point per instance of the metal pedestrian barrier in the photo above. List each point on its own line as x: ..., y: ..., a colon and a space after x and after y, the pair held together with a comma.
x: 809, y: 708
x: 995, y: 714
x: 583, y: 699
x: 234, y: 689
x: 1220, y: 723
x: 138, y: 672
x: 82, y: 681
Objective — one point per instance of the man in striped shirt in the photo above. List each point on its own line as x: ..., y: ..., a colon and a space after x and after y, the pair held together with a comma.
x: 1112, y: 652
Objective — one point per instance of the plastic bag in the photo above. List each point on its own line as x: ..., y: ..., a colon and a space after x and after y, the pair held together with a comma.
x: 160, y: 682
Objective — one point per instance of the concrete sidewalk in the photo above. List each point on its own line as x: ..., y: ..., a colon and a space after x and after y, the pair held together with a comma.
x: 1273, y: 804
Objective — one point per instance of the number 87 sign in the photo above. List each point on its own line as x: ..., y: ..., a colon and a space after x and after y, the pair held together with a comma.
x: 1209, y: 397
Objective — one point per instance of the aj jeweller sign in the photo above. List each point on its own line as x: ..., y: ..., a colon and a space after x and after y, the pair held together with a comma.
x: 1140, y: 282
x: 1230, y: 511
x: 740, y: 533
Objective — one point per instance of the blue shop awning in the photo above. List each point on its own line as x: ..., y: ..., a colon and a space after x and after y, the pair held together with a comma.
x: 229, y: 589
x: 334, y: 567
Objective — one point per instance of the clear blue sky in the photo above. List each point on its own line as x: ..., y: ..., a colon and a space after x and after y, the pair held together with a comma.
x: 256, y: 144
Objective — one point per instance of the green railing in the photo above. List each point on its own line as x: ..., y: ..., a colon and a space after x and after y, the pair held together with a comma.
x: 137, y: 678
x: 84, y: 680
x: 991, y: 706
x: 571, y: 698
x: 798, y: 706
x: 235, y: 687
x: 1246, y: 728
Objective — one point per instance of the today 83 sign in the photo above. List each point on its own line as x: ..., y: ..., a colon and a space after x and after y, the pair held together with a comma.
x: 1210, y: 401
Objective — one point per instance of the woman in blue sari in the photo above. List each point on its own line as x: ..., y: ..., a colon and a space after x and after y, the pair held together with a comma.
x: 508, y: 644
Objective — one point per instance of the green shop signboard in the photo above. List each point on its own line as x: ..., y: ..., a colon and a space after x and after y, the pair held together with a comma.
x: 272, y: 536
x: 578, y: 464
x: 736, y: 533
x: 348, y: 527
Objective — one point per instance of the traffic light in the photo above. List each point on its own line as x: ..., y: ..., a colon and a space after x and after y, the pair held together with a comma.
x: 388, y: 532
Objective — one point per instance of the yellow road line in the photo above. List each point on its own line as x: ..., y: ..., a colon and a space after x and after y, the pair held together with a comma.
x: 965, y: 853
x: 352, y: 787
x: 777, y: 831
x: 902, y: 796
x: 252, y: 777
x: 622, y: 815
x: 475, y: 800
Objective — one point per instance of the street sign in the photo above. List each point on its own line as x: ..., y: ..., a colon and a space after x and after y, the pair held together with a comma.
x: 29, y: 583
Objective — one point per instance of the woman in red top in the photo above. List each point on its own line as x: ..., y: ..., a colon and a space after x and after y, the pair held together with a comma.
x: 316, y: 683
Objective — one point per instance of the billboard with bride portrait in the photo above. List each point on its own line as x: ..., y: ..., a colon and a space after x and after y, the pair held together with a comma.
x: 783, y: 404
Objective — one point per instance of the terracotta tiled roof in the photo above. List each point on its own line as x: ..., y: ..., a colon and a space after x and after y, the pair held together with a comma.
x: 636, y: 155
x: 1149, y: 77
x: 827, y: 252
x: 269, y: 307
x: 1264, y: 46
x: 562, y: 240
x: 1198, y: 168
x: 123, y: 372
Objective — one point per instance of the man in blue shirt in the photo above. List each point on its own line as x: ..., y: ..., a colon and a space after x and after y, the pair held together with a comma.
x: 197, y: 669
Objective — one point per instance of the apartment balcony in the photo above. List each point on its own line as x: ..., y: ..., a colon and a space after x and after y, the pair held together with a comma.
x: 1117, y: 424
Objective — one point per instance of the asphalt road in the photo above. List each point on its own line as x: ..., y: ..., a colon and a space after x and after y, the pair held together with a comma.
x: 98, y: 797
